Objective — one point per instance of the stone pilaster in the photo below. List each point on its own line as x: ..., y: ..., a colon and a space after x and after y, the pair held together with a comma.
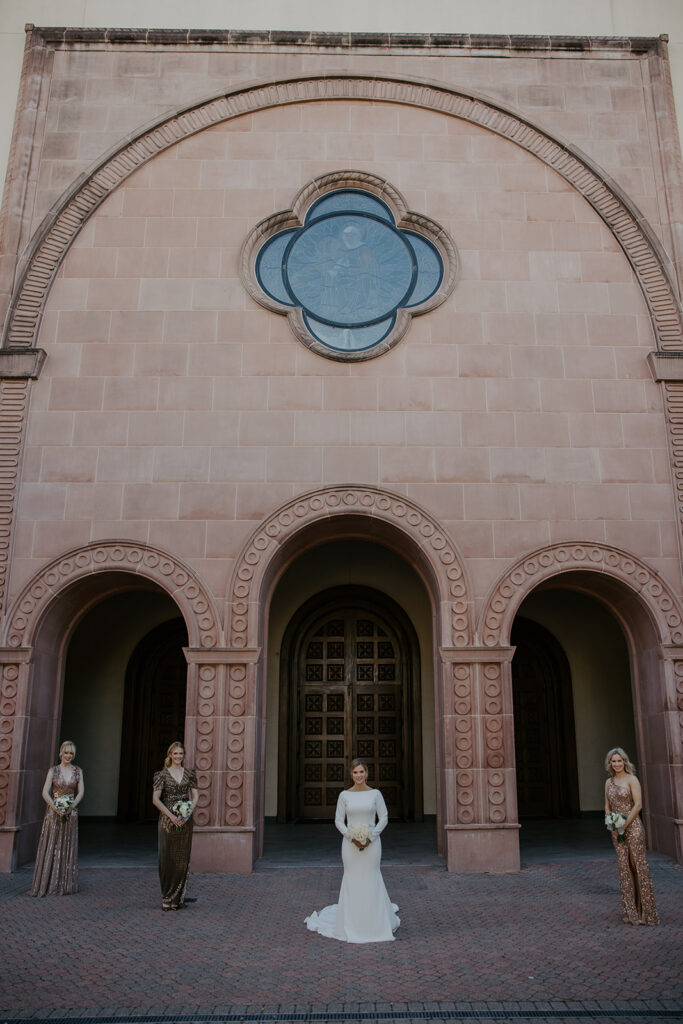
x: 478, y: 778
x: 223, y: 740
x: 14, y: 690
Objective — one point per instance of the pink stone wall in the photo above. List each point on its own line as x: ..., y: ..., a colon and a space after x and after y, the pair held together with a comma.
x: 174, y: 410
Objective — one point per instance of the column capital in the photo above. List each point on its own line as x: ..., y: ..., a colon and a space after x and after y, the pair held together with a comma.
x: 666, y: 366
x: 476, y: 655
x: 21, y: 363
x: 222, y: 655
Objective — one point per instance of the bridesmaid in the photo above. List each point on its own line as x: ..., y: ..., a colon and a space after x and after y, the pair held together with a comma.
x: 172, y: 784
x: 56, y: 871
x: 623, y: 795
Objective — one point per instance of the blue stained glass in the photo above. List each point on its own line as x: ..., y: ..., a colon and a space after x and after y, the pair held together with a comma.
x: 356, y: 202
x: 269, y: 267
x: 349, y: 270
x: 349, y: 339
x: 429, y: 269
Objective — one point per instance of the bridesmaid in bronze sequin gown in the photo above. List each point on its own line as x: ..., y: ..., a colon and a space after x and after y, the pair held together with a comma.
x: 56, y: 871
x: 623, y: 795
x: 175, y: 782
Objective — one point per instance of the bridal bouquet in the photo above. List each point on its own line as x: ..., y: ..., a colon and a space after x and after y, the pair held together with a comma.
x: 361, y: 833
x: 183, y: 808
x: 64, y: 805
x: 616, y: 822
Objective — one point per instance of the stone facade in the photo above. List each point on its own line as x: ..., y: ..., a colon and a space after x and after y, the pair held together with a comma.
x: 162, y: 427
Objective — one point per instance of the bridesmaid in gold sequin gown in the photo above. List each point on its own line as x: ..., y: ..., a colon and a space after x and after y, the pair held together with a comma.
x: 173, y: 783
x: 623, y: 795
x: 56, y: 870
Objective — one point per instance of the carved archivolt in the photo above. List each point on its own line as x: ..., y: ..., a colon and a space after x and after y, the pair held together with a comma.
x: 502, y: 603
x: 61, y: 226
x: 172, y: 575
x: 339, y: 502
x: 13, y: 399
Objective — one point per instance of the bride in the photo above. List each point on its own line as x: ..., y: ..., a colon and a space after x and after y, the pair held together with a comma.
x: 364, y: 912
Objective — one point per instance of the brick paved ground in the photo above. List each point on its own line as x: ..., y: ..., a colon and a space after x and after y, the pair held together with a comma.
x: 549, y: 938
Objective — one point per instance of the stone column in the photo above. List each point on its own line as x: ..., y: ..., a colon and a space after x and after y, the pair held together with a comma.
x: 223, y: 730
x: 669, y: 772
x: 479, y: 801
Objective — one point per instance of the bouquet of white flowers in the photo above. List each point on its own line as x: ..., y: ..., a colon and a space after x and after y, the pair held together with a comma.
x: 360, y: 833
x: 183, y: 808
x: 616, y: 822
x: 64, y: 804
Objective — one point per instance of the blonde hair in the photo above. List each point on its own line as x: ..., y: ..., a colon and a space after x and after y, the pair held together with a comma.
x: 629, y: 768
x: 174, y: 746
x: 67, y: 745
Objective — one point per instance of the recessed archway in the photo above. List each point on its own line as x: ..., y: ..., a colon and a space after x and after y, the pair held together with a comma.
x: 356, y: 515
x: 43, y: 621
x: 649, y: 619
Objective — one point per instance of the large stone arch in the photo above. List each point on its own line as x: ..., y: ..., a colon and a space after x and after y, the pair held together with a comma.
x: 652, y: 621
x: 60, y: 227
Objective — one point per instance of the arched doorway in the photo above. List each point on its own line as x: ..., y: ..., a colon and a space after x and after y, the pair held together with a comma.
x: 153, y: 715
x: 350, y: 687
x: 545, y: 738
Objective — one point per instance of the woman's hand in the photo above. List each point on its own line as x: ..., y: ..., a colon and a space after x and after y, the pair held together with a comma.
x: 177, y: 819
x: 359, y: 844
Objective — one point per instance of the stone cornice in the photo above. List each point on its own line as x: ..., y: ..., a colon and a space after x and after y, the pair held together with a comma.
x: 69, y: 36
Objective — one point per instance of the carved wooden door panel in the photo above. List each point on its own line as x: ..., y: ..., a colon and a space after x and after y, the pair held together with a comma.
x: 350, y: 704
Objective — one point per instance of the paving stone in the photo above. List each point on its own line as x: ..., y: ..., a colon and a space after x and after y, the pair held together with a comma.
x: 548, y: 940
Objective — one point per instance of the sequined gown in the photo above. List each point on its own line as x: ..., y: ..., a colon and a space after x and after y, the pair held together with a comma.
x: 635, y: 883
x: 364, y: 912
x: 56, y: 871
x: 175, y: 844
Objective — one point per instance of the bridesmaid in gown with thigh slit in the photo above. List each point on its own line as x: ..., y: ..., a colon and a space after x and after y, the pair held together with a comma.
x: 364, y: 912
x: 56, y: 870
x: 623, y: 795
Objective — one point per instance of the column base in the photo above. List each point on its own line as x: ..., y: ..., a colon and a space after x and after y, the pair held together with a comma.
x: 8, y: 853
x: 482, y: 849
x: 222, y: 850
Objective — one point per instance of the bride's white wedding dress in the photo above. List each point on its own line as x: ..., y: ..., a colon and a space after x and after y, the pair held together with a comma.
x: 364, y: 912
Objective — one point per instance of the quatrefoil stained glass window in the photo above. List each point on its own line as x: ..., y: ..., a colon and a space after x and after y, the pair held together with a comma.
x: 349, y: 268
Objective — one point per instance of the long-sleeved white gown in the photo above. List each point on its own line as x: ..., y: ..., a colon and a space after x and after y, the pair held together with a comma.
x: 364, y: 912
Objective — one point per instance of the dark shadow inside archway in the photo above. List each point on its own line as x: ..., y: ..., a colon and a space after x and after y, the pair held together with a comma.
x: 573, y: 700
x: 350, y: 674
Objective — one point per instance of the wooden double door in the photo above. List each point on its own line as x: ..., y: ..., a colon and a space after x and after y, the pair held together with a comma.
x: 351, y: 693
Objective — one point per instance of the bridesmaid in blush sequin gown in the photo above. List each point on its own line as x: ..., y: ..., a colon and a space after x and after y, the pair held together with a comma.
x: 56, y: 870
x: 174, y: 783
x: 623, y: 795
